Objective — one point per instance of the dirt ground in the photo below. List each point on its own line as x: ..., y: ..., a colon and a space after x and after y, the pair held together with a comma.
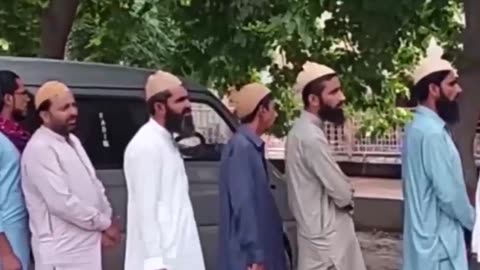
x: 381, y: 250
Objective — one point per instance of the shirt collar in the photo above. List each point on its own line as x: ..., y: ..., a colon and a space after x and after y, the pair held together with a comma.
x: 251, y: 136
x: 312, y: 118
x: 54, y: 134
x: 427, y: 112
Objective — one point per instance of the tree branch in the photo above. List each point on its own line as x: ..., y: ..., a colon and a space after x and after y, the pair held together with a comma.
x: 56, y: 23
x: 464, y: 131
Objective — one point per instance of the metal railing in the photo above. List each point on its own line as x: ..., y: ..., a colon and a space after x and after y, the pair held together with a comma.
x: 379, y: 149
x: 345, y: 146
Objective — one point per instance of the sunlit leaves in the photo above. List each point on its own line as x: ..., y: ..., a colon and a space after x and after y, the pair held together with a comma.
x: 373, y: 44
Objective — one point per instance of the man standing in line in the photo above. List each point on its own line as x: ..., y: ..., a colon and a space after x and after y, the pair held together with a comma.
x: 437, y: 208
x: 161, y: 230
x: 14, y: 232
x: 13, y: 108
x: 70, y: 216
x: 320, y: 195
x: 251, y: 233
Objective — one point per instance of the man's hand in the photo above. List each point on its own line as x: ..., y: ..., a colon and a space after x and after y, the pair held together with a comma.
x: 107, y: 242
x: 112, y: 234
x: 256, y: 266
x: 10, y: 262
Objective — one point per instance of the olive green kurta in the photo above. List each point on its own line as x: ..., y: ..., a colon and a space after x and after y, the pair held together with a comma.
x: 318, y: 191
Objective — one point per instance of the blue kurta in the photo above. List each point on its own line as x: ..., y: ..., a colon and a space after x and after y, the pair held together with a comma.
x: 13, y: 214
x: 250, y: 223
x: 437, y: 209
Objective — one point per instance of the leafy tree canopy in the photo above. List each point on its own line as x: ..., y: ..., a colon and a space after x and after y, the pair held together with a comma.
x: 372, y: 44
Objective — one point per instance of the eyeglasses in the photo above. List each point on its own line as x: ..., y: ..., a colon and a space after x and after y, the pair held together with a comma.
x: 21, y: 93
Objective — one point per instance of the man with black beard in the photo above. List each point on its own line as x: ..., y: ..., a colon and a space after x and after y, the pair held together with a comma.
x: 161, y: 228
x: 14, y: 102
x: 320, y: 195
x: 437, y: 210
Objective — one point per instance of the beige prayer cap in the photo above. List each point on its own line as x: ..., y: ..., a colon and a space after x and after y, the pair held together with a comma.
x: 248, y: 97
x: 432, y: 63
x: 310, y: 72
x: 161, y: 81
x: 48, y: 91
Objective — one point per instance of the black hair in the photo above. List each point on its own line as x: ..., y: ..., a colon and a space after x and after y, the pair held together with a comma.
x: 44, y: 106
x: 160, y: 97
x: 315, y: 87
x: 264, y: 103
x: 8, y: 84
x: 421, y: 90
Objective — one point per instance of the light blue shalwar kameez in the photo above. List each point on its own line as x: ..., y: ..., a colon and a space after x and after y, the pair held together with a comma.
x: 437, y: 209
x: 13, y: 213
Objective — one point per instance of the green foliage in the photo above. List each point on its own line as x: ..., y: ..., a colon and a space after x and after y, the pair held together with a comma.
x: 19, y: 26
x: 128, y: 32
x: 372, y: 44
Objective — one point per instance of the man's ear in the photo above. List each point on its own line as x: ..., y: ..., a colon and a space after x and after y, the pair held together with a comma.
x: 44, y: 116
x: 7, y: 100
x: 314, y: 100
x: 434, y: 90
x: 160, y: 107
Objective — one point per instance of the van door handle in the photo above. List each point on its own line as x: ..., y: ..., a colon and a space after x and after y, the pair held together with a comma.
x: 272, y: 186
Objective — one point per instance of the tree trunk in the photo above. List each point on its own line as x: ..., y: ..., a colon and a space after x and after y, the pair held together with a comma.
x: 464, y: 131
x: 56, y: 23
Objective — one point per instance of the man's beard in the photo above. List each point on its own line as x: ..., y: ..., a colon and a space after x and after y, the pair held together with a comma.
x: 447, y: 109
x: 333, y: 115
x: 18, y: 115
x: 62, y: 128
x: 181, y: 123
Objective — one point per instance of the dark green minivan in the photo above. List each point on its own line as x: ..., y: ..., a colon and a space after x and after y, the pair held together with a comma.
x: 112, y: 109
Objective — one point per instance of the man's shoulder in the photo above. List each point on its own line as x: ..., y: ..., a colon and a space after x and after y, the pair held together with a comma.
x: 37, y: 142
x: 429, y: 124
x: 421, y: 127
x: 143, y: 142
x: 239, y: 141
x: 7, y: 148
x: 4, y: 140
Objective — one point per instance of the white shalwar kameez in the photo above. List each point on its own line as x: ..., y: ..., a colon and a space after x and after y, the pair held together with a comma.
x: 161, y: 228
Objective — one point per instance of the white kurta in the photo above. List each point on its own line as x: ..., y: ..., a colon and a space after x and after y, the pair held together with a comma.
x: 66, y: 203
x: 161, y: 228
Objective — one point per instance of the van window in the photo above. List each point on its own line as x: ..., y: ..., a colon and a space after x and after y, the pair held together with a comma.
x: 212, y: 134
x: 106, y: 125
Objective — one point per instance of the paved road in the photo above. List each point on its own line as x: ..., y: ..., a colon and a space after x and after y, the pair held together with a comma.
x: 382, y: 251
